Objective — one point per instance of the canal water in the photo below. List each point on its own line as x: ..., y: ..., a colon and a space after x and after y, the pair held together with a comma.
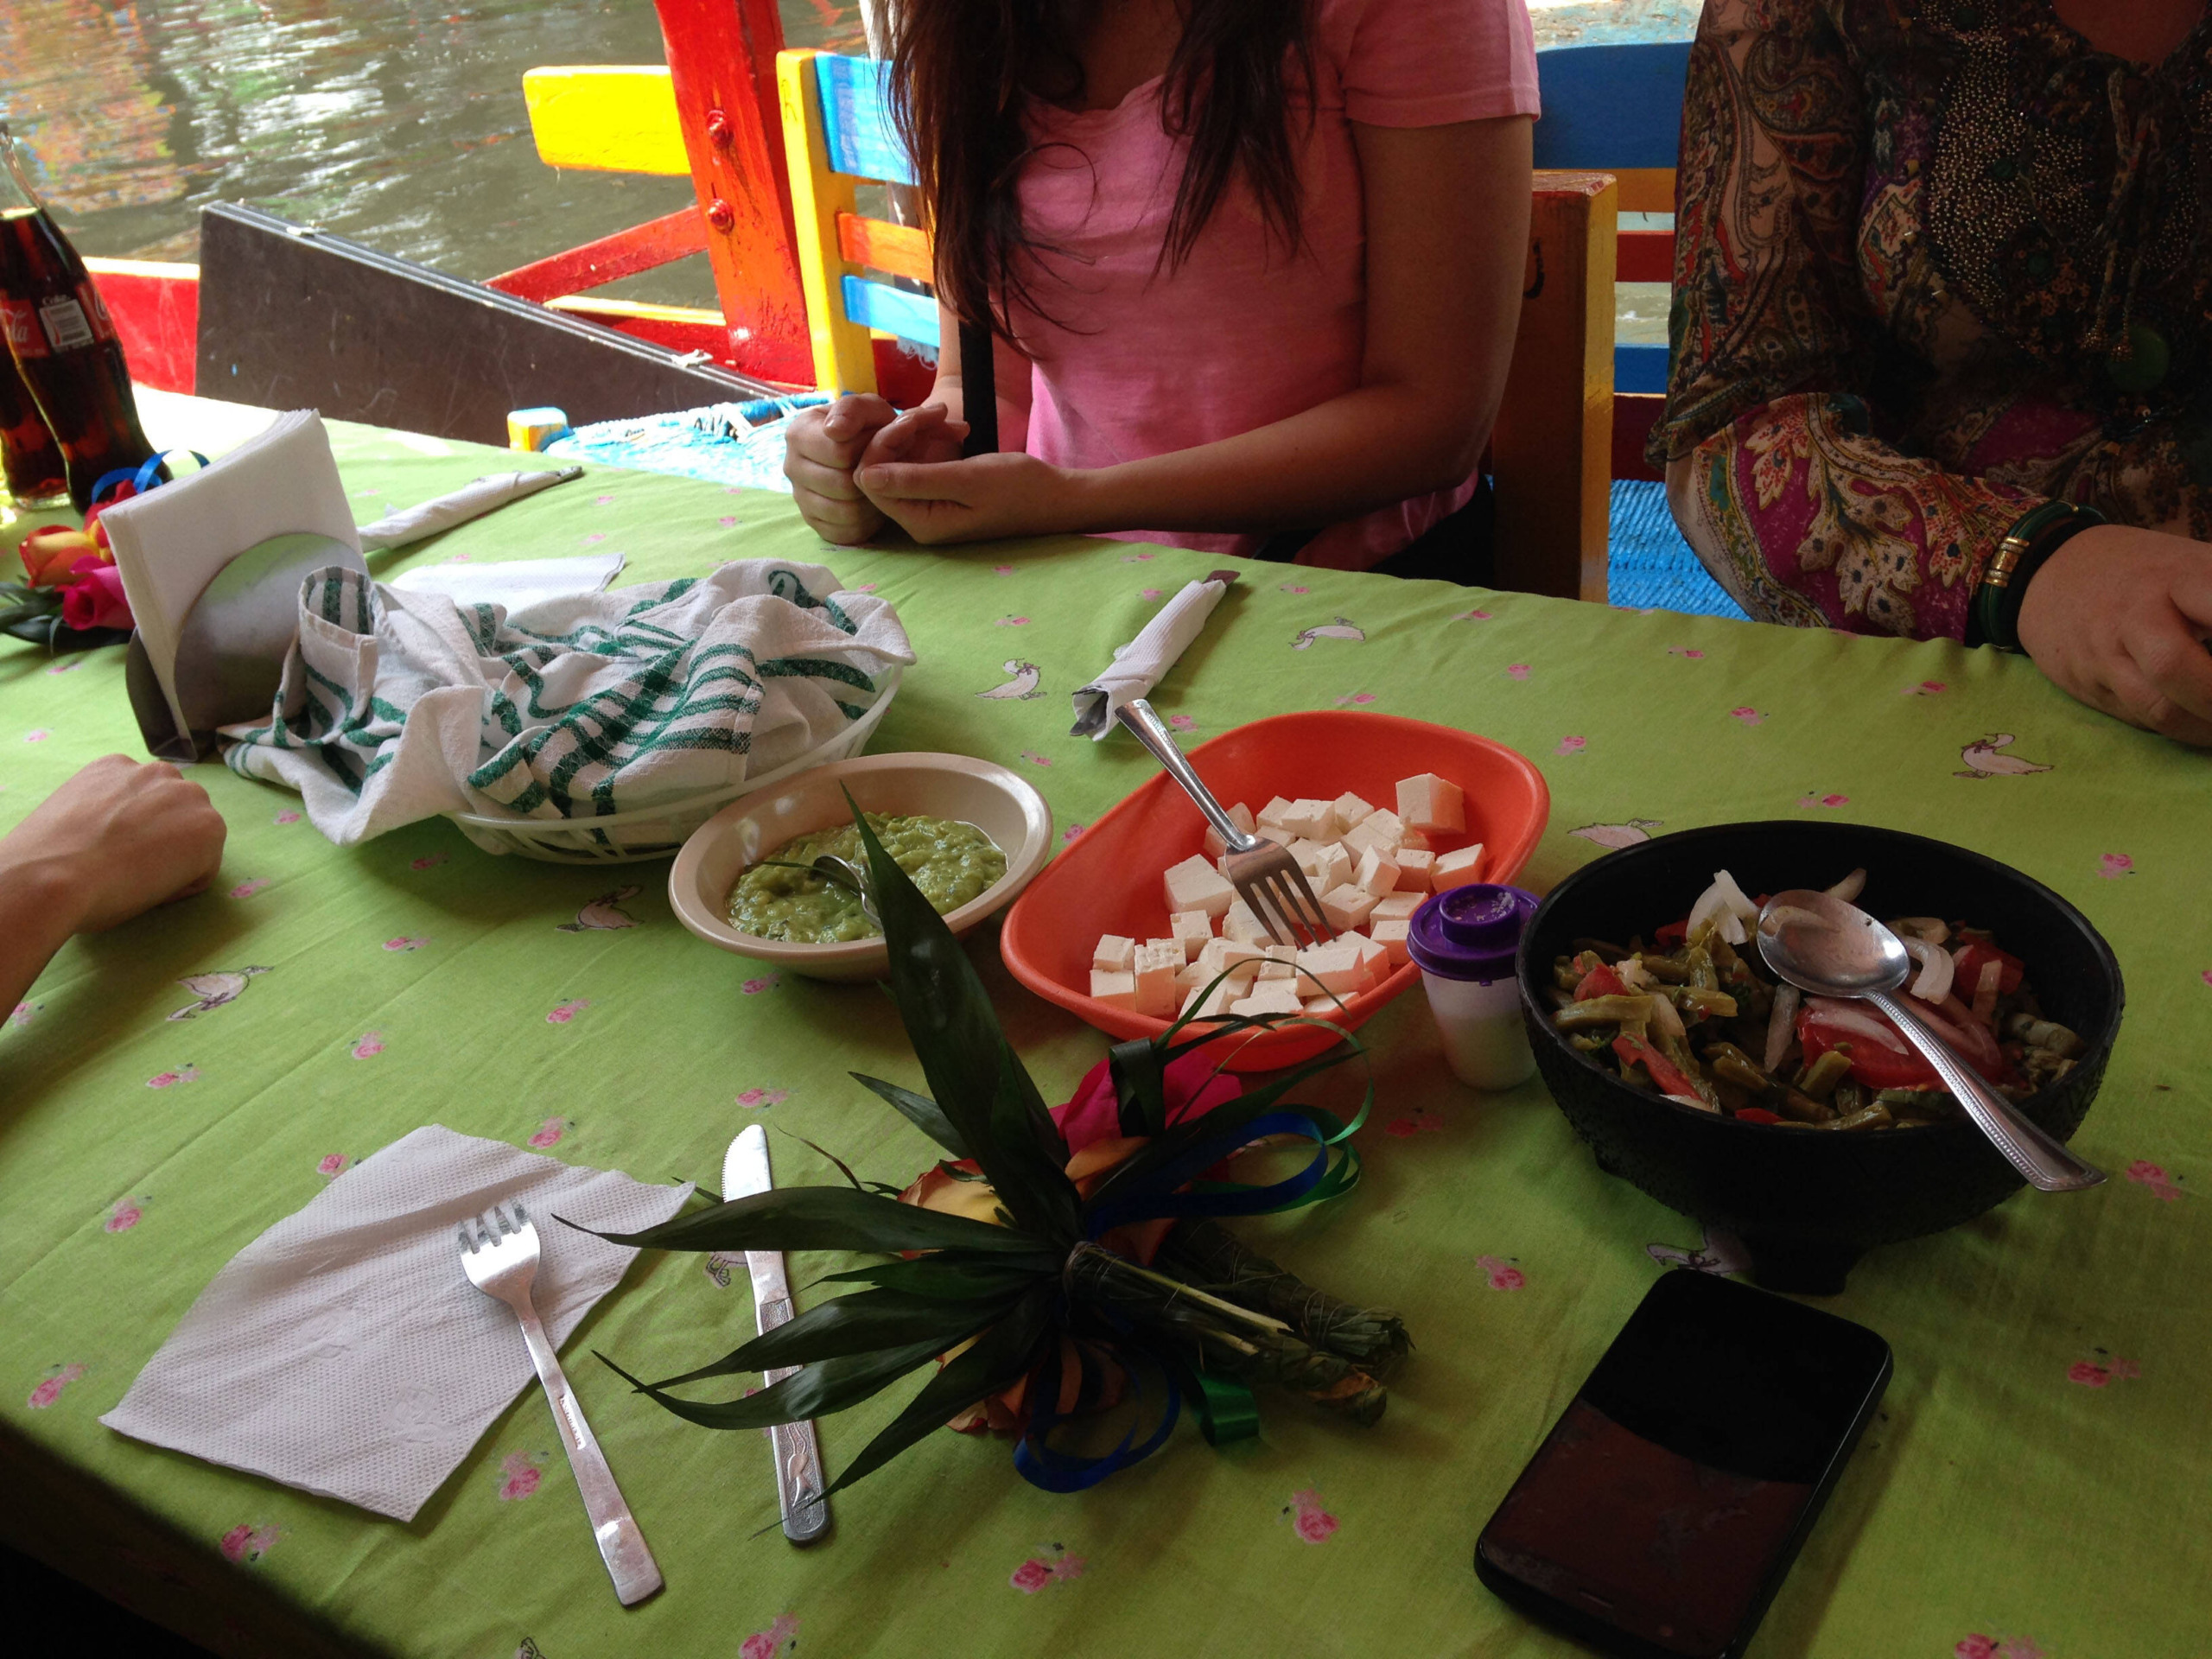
x: 398, y: 123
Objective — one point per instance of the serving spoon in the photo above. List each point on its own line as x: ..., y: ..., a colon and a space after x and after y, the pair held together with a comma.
x: 1829, y: 948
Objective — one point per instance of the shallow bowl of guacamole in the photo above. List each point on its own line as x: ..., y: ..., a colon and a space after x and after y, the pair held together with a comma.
x: 971, y: 834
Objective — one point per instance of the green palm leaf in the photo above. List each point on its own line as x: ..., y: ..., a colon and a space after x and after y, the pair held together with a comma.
x: 920, y: 1111
x: 823, y: 1219
x: 1003, y: 1354
x: 950, y: 1275
x: 818, y: 1391
x: 862, y: 1323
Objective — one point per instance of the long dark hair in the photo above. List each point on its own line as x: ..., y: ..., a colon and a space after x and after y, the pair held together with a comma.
x: 960, y: 68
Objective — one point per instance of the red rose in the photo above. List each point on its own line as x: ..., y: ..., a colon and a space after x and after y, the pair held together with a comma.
x: 1192, y: 1088
x: 50, y: 554
x: 94, y: 599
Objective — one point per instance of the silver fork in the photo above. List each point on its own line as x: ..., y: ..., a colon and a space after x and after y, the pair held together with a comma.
x: 1266, y: 877
x: 500, y: 1254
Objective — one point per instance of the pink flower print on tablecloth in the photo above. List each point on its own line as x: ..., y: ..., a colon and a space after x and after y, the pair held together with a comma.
x: 429, y: 861
x: 1148, y: 593
x: 169, y: 1079
x: 1182, y: 722
x: 1308, y: 1519
x: 1035, y: 758
x: 66, y: 664
x: 126, y: 1214
x: 27, y: 1012
x: 1689, y: 651
x: 865, y: 588
x: 1002, y: 569
x: 765, y: 982
x: 1470, y: 616
x: 332, y: 1165
x: 1517, y: 670
x: 601, y: 500
x: 370, y: 1046
x: 551, y: 1131
x: 520, y: 1474
x: 1071, y: 832
x: 2112, y: 866
x: 1356, y: 700
x: 757, y: 1098
x: 1748, y: 714
x: 1571, y: 746
x: 726, y: 520
x: 2100, y: 1373
x: 1811, y: 799
x: 2143, y: 1173
x: 568, y: 1011
x: 1997, y: 1647
x: 247, y: 889
x: 1051, y: 1565
x: 246, y: 1545
x: 1137, y: 558
x: 1925, y: 689
x: 1405, y: 1127
x: 38, y: 735
x: 2206, y: 975
x: 404, y: 942
x: 286, y: 816
x: 1503, y: 1274
x: 777, y: 1639
x: 1012, y: 622
x: 1293, y: 587
x: 57, y: 1377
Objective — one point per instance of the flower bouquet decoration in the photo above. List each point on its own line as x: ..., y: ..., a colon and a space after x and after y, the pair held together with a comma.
x: 71, y: 597
x: 1050, y: 1266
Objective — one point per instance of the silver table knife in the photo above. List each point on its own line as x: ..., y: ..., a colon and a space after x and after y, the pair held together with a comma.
x: 798, y: 1454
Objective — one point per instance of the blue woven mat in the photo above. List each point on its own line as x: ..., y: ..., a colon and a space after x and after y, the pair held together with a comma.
x: 1651, y: 566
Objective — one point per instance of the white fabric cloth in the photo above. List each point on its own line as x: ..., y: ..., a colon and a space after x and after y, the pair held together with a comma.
x: 345, y: 1353
x: 472, y: 500
x: 398, y: 705
x: 513, y: 582
x: 1142, y: 663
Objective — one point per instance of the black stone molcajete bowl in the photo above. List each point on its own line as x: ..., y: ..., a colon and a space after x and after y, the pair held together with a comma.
x: 1807, y: 1204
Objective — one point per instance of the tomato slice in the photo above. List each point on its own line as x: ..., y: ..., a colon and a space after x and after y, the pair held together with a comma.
x: 1665, y: 1075
x: 1756, y: 1114
x: 1969, y: 960
x: 1672, y: 934
x: 1600, y: 980
x: 1884, y: 1062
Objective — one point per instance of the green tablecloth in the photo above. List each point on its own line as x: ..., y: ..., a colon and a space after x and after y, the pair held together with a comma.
x: 2037, y: 1482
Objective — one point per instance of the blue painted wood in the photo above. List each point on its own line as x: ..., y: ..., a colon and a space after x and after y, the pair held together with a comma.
x: 895, y: 311
x: 857, y: 120
x: 1639, y: 368
x: 1608, y: 107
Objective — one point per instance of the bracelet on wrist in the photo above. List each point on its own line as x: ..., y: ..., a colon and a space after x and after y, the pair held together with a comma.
x: 1993, y: 616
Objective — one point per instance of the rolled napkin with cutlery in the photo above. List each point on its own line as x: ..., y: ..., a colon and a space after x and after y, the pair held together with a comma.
x: 402, y: 525
x: 1142, y: 663
x: 345, y: 1353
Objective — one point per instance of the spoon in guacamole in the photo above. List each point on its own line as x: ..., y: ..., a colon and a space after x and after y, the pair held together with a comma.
x: 786, y: 896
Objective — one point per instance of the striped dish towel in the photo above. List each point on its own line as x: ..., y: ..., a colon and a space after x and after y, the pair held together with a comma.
x: 397, y: 706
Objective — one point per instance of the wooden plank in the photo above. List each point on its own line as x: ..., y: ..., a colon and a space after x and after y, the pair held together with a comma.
x: 1634, y: 416
x: 642, y: 247
x: 1646, y: 256
x: 820, y: 197
x: 894, y: 310
x: 857, y: 117
x: 606, y: 118
x: 1646, y: 189
x: 1640, y: 368
x: 722, y: 59
x: 156, y: 312
x: 1612, y: 106
x: 681, y: 329
x: 895, y: 250
x: 1552, y: 448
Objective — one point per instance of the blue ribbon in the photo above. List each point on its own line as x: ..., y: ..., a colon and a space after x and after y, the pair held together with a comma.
x: 1061, y: 1472
x: 145, y: 477
x: 1154, y: 1195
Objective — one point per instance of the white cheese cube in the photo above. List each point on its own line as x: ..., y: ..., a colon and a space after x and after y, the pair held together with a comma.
x: 1379, y: 830
x: 1337, y: 871
x: 1413, y: 841
x: 1455, y: 870
x: 1274, y: 809
x: 1113, y: 953
x: 1272, y: 968
x: 1334, y: 967
x: 1115, y: 990
x: 1272, y: 998
x: 1347, y: 906
x: 1385, y: 822
x: 1398, y: 907
x: 1212, y: 1002
x: 1310, y: 855
x: 1191, y: 928
x: 1322, y: 1007
x: 1428, y: 801
x: 1376, y: 875
x: 1241, y: 816
x: 1196, y: 884
x: 1350, y: 810
x: 1242, y: 925
x: 1191, y: 976
x: 1314, y: 819
x: 1391, y: 936
x: 1157, y: 962
x: 1414, y: 869
x: 1220, y: 955
x: 1374, y: 961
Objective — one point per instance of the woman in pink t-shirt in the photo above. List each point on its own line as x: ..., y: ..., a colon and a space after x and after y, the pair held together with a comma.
x: 1255, y: 267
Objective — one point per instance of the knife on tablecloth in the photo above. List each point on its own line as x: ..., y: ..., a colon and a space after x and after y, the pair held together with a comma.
x: 798, y: 1454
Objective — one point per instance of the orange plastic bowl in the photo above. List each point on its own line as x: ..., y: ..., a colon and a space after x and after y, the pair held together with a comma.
x: 1107, y: 880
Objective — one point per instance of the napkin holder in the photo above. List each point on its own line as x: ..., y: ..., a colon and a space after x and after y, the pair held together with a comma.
x: 231, y: 645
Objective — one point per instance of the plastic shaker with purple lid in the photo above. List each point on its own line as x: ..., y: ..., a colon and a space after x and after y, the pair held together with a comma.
x: 1465, y: 941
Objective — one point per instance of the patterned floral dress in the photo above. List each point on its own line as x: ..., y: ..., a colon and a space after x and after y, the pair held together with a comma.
x: 1935, y: 264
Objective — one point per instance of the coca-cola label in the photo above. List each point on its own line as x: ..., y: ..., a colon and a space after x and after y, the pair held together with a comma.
x: 96, y: 310
x: 66, y: 324
x: 20, y: 318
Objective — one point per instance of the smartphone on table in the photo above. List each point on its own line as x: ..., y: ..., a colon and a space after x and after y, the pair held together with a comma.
x: 1659, y: 1516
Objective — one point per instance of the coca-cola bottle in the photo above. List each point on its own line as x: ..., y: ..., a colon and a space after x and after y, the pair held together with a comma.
x: 30, y: 460
x: 62, y: 340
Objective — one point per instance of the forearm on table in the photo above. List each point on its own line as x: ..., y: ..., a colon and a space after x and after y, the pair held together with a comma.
x: 1342, y: 458
x: 1808, y: 518
x: 35, y: 920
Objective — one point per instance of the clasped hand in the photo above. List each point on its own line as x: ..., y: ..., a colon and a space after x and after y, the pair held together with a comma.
x: 857, y: 464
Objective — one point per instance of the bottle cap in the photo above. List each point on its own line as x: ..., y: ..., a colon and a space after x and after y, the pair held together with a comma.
x: 1470, y: 932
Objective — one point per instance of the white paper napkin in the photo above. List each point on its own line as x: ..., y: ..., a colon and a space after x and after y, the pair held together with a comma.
x: 513, y: 582
x: 345, y: 1353
x: 1142, y: 663
x: 472, y: 500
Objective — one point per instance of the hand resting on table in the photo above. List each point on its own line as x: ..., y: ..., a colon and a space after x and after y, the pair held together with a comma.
x: 113, y: 841
x: 825, y: 444
x: 2119, y: 618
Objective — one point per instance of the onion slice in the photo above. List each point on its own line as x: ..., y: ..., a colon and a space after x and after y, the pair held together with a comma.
x: 1781, y: 1026
x: 1850, y: 888
x: 1841, y: 1015
x: 1723, y: 903
x: 1935, y: 970
x: 1665, y: 1019
x: 1930, y: 928
x: 1985, y: 990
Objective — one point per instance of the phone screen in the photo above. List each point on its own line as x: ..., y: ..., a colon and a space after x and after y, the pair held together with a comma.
x: 1661, y: 1510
